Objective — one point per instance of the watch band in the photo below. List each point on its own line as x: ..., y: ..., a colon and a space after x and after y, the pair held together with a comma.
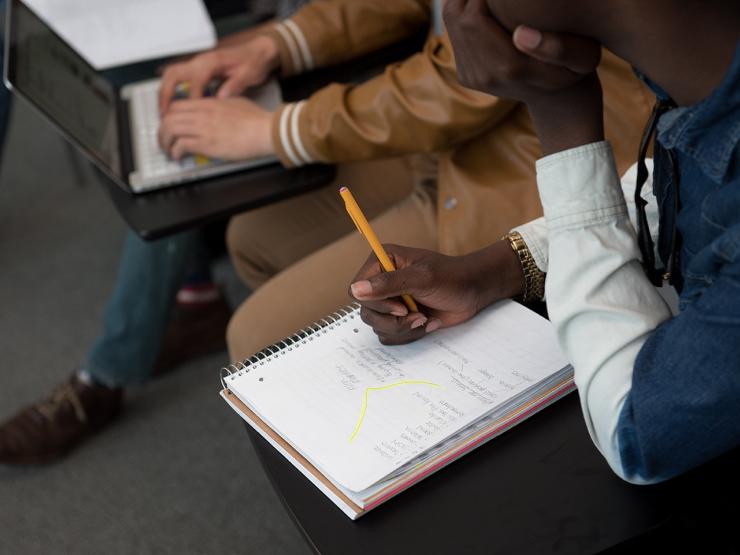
x: 534, y: 278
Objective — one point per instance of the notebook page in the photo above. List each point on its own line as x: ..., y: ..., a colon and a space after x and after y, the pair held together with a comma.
x: 109, y: 33
x: 358, y: 410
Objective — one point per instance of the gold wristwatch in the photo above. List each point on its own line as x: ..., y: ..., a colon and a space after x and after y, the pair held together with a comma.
x: 534, y: 278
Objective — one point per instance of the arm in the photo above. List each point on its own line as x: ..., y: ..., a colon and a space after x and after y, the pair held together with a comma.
x: 535, y: 235
x: 326, y: 32
x: 418, y: 101
x: 602, y: 306
x: 653, y: 409
x: 417, y: 105
x: 321, y: 33
x: 452, y: 289
x: 448, y: 289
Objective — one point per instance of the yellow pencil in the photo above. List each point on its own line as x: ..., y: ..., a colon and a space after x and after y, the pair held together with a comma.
x: 363, y: 226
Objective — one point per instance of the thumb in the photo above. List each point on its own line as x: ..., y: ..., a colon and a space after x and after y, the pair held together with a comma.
x: 389, y: 284
x: 578, y: 54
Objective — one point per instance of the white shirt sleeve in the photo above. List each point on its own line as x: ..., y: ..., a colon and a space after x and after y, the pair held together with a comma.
x: 598, y: 297
x: 534, y: 233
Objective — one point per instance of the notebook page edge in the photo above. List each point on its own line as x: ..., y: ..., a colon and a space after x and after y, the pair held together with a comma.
x: 346, y: 505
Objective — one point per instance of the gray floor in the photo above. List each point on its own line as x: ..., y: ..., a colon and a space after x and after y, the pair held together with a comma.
x: 176, y: 474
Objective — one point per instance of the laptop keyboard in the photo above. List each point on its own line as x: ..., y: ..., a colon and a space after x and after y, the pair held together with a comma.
x: 152, y: 167
x: 151, y: 160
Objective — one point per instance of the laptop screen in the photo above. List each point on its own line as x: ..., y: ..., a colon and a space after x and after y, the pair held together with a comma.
x: 59, y: 82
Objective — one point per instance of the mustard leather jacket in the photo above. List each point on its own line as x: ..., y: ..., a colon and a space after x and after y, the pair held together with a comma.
x: 485, y: 147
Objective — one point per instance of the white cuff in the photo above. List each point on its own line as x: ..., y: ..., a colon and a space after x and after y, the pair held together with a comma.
x: 300, y: 39
x: 297, y: 45
x: 580, y: 186
x: 289, y: 133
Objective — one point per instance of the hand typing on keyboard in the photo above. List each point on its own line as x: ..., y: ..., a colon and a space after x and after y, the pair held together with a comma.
x: 228, y: 129
x: 238, y: 66
x: 182, y: 91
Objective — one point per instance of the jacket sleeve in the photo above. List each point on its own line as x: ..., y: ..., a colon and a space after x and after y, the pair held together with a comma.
x: 417, y: 105
x: 326, y: 32
x: 602, y: 306
x: 534, y: 233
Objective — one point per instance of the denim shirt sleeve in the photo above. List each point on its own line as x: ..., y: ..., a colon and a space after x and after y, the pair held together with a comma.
x: 602, y: 305
x: 684, y: 406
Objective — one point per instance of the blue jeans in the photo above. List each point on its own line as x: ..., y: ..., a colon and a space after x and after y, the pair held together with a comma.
x: 137, y: 313
x: 149, y: 276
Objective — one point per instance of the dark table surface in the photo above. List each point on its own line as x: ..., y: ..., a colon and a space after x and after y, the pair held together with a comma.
x: 539, y: 488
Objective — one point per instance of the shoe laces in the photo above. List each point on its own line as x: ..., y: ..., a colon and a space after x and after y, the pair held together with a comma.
x: 61, y: 396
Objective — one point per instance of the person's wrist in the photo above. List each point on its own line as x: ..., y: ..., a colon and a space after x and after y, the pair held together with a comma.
x: 268, y: 52
x: 557, y: 134
x: 569, y: 118
x: 496, y: 273
x: 532, y: 278
x: 266, y: 144
x: 254, y: 135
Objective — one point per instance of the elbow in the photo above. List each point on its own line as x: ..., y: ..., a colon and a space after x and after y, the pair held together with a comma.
x: 645, y: 456
x: 637, y: 458
x: 638, y: 477
x: 632, y: 468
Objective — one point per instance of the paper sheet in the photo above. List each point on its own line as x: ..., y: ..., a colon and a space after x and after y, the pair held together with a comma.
x: 358, y: 410
x: 109, y: 33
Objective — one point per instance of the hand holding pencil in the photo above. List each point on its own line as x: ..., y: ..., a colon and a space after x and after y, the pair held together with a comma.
x: 363, y: 226
x: 450, y: 289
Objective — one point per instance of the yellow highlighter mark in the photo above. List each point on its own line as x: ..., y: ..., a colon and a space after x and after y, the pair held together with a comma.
x: 361, y: 419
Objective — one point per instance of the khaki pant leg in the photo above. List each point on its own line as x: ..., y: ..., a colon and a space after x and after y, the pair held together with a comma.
x: 265, y: 241
x: 317, y: 285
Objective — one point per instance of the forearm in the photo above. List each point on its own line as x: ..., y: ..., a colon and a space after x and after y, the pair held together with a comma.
x: 497, y: 273
x: 418, y: 105
x: 682, y: 409
x: 327, y: 32
x: 570, y: 117
x: 535, y: 233
x: 602, y: 305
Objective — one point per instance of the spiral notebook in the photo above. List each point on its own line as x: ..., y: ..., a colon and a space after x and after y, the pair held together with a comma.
x: 364, y: 421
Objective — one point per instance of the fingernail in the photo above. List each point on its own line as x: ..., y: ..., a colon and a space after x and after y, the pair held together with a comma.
x: 418, y: 322
x: 399, y: 312
x: 527, y: 37
x: 434, y: 324
x: 361, y: 288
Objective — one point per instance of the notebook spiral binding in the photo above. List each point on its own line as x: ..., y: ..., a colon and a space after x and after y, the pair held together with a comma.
x: 289, y: 343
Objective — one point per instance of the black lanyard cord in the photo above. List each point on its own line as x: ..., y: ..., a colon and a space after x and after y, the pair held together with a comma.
x: 644, y: 239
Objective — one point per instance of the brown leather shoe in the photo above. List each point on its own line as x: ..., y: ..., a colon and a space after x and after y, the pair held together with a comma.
x: 51, y: 428
x: 195, y: 330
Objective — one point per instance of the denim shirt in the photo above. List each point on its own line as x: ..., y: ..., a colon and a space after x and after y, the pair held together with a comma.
x: 684, y: 405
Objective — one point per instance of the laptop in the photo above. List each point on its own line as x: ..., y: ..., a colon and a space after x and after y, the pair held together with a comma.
x: 116, y: 127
